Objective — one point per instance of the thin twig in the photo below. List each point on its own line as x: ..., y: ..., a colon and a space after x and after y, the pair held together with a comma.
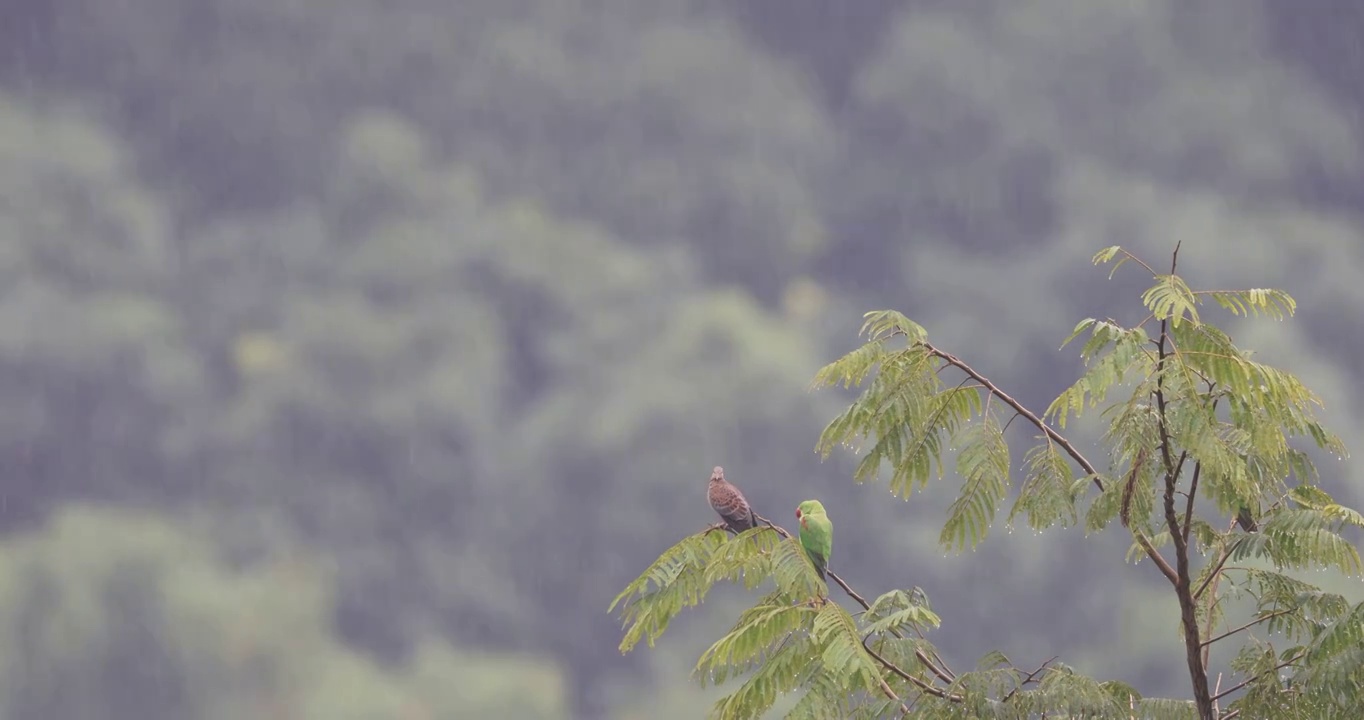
x: 1260, y: 676
x: 1213, y: 600
x: 1226, y: 554
x: 1142, y: 263
x: 943, y: 672
x: 1031, y: 677
x: 1193, y: 482
x: 912, y: 703
x: 917, y: 682
x: 1249, y: 625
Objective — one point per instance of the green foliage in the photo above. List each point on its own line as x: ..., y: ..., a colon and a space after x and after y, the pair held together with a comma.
x: 1300, y: 539
x: 1193, y: 414
x: 420, y: 277
x: 683, y: 575
x: 1050, y: 489
x: 789, y: 640
x: 905, y: 413
x: 983, y: 464
x: 898, y: 612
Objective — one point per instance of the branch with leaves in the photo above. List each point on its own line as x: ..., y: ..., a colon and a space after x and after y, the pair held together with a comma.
x: 1200, y: 430
x: 934, y: 664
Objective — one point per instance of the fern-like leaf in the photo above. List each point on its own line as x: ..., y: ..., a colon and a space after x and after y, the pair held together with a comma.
x: 785, y: 670
x: 1049, y: 493
x: 843, y: 654
x: 899, y: 610
x: 1300, y: 538
x: 885, y: 324
x: 676, y: 580
x: 983, y: 463
x: 1125, y: 354
x: 755, y: 637
x: 1171, y: 299
x: 1256, y: 301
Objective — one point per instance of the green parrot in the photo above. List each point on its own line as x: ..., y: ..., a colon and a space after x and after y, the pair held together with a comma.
x: 816, y: 534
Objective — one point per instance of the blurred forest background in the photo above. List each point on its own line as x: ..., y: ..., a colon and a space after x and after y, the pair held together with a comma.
x: 355, y: 353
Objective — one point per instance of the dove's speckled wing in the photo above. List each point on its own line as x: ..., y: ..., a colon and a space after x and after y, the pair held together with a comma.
x: 729, y: 503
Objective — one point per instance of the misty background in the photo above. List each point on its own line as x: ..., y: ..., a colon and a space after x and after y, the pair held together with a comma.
x: 355, y: 353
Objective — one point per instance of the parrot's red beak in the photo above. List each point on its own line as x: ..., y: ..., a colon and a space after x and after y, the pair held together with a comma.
x: 797, y: 513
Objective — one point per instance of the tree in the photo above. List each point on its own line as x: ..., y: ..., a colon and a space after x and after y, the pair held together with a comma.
x: 1205, y: 472
x: 120, y: 614
x: 704, y: 138
x: 90, y: 344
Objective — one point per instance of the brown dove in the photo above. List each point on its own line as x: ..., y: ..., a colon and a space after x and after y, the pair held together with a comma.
x: 729, y: 503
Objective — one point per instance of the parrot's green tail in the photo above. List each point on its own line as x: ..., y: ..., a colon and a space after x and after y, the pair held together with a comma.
x: 821, y: 566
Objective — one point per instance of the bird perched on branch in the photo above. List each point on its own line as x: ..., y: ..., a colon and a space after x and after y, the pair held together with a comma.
x: 816, y: 534
x: 729, y: 503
